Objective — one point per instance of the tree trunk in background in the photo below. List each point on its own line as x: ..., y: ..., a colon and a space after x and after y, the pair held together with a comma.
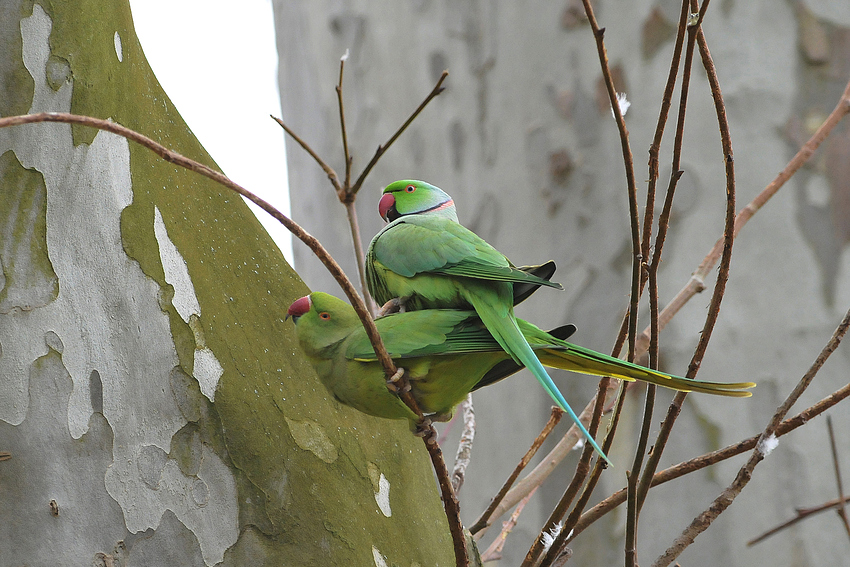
x: 524, y: 141
x: 153, y: 399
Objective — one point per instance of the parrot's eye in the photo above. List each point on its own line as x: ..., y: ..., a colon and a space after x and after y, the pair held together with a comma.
x: 410, y: 188
x: 325, y: 316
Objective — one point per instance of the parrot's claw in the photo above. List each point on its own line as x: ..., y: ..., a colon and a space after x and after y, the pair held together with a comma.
x: 423, y: 429
x: 394, y: 305
x: 441, y: 417
x: 393, y: 383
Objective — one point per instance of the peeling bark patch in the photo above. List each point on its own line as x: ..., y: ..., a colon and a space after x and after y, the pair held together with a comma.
x: 208, y: 371
x: 381, y: 487
x: 311, y: 437
x: 206, y: 367
x: 151, y: 461
x: 29, y: 279
x: 176, y: 272
x: 379, y: 559
x: 382, y: 497
x: 118, y: 50
x: 105, y: 317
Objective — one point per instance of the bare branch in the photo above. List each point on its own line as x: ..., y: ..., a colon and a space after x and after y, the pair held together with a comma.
x: 438, y: 88
x: 464, y: 448
x: 327, y: 169
x: 484, y: 520
x: 725, y: 499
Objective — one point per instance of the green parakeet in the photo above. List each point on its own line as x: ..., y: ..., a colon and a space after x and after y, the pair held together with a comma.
x: 447, y: 353
x: 427, y: 260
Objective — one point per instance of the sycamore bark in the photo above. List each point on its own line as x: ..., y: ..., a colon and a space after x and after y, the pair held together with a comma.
x: 153, y: 399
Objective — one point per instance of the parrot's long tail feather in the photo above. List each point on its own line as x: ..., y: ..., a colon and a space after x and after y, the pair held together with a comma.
x: 506, y: 332
x: 586, y: 361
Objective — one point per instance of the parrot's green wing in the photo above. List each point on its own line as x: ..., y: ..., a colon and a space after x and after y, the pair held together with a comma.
x: 407, y: 333
x: 418, y: 244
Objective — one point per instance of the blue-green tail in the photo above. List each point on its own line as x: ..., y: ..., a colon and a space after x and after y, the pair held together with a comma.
x: 506, y: 332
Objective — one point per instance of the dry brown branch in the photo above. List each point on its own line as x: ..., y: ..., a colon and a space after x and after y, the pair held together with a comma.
x: 494, y: 552
x: 450, y: 502
x: 703, y: 461
x: 802, y: 514
x: 841, y: 509
x: 464, y: 447
x: 484, y: 520
x: 765, y: 444
x: 694, y: 286
x: 438, y: 88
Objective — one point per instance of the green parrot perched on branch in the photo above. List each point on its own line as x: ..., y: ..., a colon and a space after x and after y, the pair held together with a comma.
x: 447, y: 353
x: 424, y: 259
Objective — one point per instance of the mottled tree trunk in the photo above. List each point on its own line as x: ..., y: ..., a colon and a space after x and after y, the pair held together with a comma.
x: 153, y: 399
x: 524, y: 140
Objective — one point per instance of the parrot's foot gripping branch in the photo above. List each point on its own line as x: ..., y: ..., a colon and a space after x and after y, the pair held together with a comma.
x: 392, y: 383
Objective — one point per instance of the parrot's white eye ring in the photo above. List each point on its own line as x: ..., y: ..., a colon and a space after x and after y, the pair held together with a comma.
x: 410, y: 188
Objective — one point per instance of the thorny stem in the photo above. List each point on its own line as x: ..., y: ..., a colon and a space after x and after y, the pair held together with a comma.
x: 450, y: 502
x: 725, y: 499
x: 484, y: 520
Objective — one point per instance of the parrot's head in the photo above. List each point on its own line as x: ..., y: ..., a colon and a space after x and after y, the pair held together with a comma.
x: 322, y: 320
x: 411, y: 197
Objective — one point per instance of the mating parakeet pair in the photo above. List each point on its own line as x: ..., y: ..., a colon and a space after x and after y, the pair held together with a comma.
x: 429, y: 264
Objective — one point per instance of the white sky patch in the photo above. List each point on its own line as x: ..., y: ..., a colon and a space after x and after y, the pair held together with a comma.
x: 768, y: 444
x: 229, y: 90
x: 378, y: 557
x: 176, y: 272
x: 382, y: 497
x: 119, y: 50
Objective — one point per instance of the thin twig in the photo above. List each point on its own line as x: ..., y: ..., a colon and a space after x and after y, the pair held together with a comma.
x: 556, y: 551
x: 703, y: 461
x: 327, y: 169
x: 450, y: 502
x: 694, y: 286
x: 842, y: 511
x: 360, y: 257
x: 494, y: 552
x: 726, y: 258
x: 345, y: 151
x: 438, y: 88
x: 464, y: 447
x: 696, y: 282
x: 484, y: 520
x: 802, y: 514
x: 762, y: 448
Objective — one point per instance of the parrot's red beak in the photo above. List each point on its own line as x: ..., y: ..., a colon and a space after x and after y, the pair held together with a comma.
x: 299, y: 307
x: 386, y: 203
